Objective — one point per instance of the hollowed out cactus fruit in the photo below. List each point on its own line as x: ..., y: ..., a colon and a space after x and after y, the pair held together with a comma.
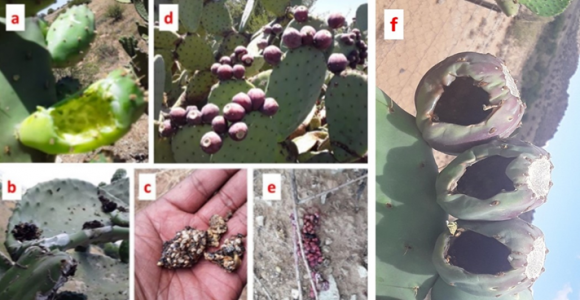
x: 97, y: 116
x: 443, y: 291
x: 491, y: 259
x: 466, y: 100
x: 495, y: 181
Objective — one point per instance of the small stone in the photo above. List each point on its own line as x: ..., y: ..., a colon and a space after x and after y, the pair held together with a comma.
x: 362, y: 272
x: 260, y: 221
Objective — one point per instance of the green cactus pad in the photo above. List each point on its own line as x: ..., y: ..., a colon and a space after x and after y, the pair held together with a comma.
x: 95, y: 269
x: 317, y: 24
x: 162, y: 147
x: 199, y: 86
x: 70, y: 36
x: 340, y: 47
x: 321, y: 157
x: 185, y: 145
x: 194, y: 53
x: 216, y: 18
x: 259, y: 146
x: 223, y: 92
x: 31, y: 7
x: 408, y: 218
x: 546, y: 8
x: 277, y: 7
x: 40, y: 275
x: 509, y: 7
x: 442, y: 291
x: 362, y: 18
x: 164, y: 39
x: 124, y: 251
x: 142, y: 7
x: 119, y: 189
x: 159, y: 83
x: 231, y: 41
x: 491, y: 259
x: 26, y: 81
x: 261, y: 80
x: 98, y: 116
x: 190, y: 13
x: 296, y: 83
x: 496, y: 181
x: 346, y: 109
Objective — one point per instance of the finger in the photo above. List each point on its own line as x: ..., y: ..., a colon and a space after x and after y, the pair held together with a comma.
x: 196, y: 189
x: 228, y: 199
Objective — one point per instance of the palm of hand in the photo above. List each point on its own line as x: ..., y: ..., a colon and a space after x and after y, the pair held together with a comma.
x: 190, y: 203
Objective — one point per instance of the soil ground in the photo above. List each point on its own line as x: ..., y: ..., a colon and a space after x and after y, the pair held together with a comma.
x: 343, y: 233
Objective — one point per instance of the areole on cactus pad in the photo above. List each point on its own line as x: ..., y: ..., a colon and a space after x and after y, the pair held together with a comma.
x: 495, y: 181
x: 95, y: 117
x: 466, y: 100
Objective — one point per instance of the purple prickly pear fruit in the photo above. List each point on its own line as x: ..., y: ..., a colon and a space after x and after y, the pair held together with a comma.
x: 239, y: 71
x: 238, y: 131
x: 262, y: 44
x: 258, y: 97
x: 247, y: 60
x: 301, y: 14
x: 364, y: 54
x: 347, y: 39
x: 244, y: 100
x: 210, y: 142
x: 234, y: 112
x: 335, y: 20
x: 292, y: 38
x: 166, y: 129
x: 233, y: 59
x: 215, y: 67
x: 272, y: 55
x: 277, y: 29
x: 353, y: 56
x: 226, y: 60
x: 219, y: 124
x: 362, y: 45
x: 189, y: 108
x: 337, y: 63
x: 357, y: 34
x: 240, y: 51
x: 270, y: 107
x: 225, y: 72
x: 353, y: 64
x: 268, y: 29
x: 208, y: 112
x: 194, y: 117
x: 307, y: 33
x: 177, y: 115
x: 322, y: 39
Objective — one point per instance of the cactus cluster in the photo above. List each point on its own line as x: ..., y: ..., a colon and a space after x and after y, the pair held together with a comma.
x: 539, y: 7
x: 46, y: 249
x: 294, y: 70
x: 467, y: 104
x: 46, y: 118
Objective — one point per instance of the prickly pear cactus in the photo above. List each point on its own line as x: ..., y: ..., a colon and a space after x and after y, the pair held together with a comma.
x: 443, y: 291
x: 546, y: 8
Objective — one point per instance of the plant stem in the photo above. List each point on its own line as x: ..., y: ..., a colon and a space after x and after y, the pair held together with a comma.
x: 302, y: 201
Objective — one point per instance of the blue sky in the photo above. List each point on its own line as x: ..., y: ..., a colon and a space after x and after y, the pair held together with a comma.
x: 348, y: 8
x: 559, y: 218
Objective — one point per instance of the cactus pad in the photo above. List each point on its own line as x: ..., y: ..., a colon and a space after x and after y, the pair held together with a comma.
x: 231, y: 41
x: 199, y: 86
x: 119, y: 189
x: 546, y: 8
x: 70, y: 36
x: 346, y: 106
x: 32, y: 7
x: 442, y: 291
x: 194, y: 53
x: 190, y: 12
x: 509, y: 7
x: 216, y: 18
x: 162, y: 147
x: 95, y: 269
x: 98, y: 116
x: 277, y: 7
x: 223, y: 92
x: 185, y: 145
x: 164, y: 39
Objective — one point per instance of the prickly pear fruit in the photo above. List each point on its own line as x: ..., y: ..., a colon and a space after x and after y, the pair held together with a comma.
x: 194, y: 117
x: 240, y: 51
x: 277, y: 28
x: 262, y: 44
x: 215, y: 67
x: 337, y: 63
x: 211, y: 142
x: 272, y: 55
x: 258, y: 97
x: 238, y: 131
x: 95, y: 117
x: 239, y: 71
x: 292, y: 38
x: 322, y: 39
x: 335, y: 20
x: 166, y: 129
x: 301, y: 14
x: 268, y: 29
x: 234, y: 112
x: 225, y: 72
x: 225, y: 60
x: 208, y: 112
x: 177, y: 116
x: 307, y: 33
x: 495, y: 181
x: 347, y: 39
x: 270, y: 107
x: 247, y: 60
x: 219, y: 125
x: 491, y: 259
x: 466, y: 100
x: 244, y: 100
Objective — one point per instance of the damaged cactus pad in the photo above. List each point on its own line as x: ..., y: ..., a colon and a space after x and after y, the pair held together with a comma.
x: 491, y: 259
x: 98, y: 116
x: 466, y: 100
x: 495, y: 181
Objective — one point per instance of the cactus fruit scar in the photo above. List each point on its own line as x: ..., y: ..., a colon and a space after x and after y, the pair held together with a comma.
x: 190, y: 245
x: 26, y: 232
x: 495, y: 181
x: 95, y: 117
x: 466, y: 100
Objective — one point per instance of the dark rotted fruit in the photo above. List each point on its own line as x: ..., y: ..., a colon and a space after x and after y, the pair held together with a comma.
x: 26, y: 232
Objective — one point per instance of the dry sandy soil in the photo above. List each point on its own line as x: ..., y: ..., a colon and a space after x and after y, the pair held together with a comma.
x: 342, y: 231
x: 106, y: 55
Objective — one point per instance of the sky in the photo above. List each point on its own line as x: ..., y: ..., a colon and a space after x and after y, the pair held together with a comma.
x: 559, y: 218
x: 348, y: 8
